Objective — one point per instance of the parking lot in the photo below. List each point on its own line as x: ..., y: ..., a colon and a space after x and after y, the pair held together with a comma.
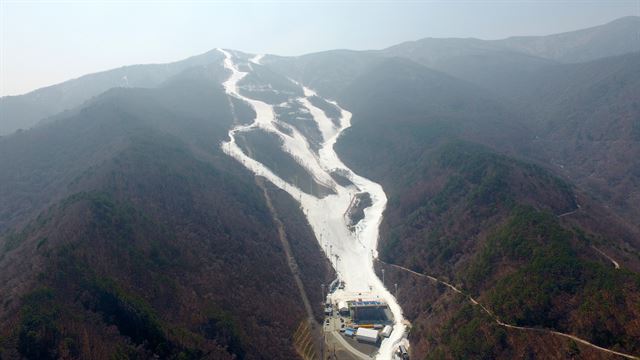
x: 334, y: 327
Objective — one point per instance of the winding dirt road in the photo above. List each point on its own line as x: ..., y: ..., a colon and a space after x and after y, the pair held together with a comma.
x: 509, y: 326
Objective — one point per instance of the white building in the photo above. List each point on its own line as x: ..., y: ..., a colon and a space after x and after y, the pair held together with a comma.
x: 343, y: 307
x: 386, y: 331
x: 367, y: 335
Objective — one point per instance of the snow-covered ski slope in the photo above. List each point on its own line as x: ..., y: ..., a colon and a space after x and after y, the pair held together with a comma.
x: 351, y: 252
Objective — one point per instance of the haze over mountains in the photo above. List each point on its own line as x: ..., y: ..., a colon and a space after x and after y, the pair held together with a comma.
x: 511, y: 169
x: 448, y: 55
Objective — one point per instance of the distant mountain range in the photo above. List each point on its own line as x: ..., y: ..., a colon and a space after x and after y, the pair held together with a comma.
x: 25, y: 111
x: 511, y: 169
x: 455, y: 56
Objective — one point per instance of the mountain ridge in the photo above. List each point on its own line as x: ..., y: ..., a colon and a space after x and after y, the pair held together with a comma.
x: 24, y: 111
x: 127, y: 231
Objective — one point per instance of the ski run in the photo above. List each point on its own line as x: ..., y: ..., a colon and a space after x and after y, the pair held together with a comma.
x: 351, y: 251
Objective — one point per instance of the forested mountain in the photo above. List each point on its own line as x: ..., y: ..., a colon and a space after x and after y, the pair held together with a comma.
x: 489, y: 224
x: 456, y: 206
x: 327, y: 72
x: 614, y: 38
x: 510, y: 167
x: 40, y: 164
x: 497, y: 65
x: 25, y: 111
x: 128, y: 233
x: 579, y: 118
x: 486, y: 222
x: 586, y: 120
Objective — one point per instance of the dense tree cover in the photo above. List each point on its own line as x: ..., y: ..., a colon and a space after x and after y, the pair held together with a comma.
x: 38, y: 333
x: 126, y: 233
x: 295, y: 115
x: 585, y: 118
x: 467, y: 336
x: 549, y: 273
x: 137, y: 272
x: 153, y: 243
x: 25, y: 111
x: 362, y: 201
x: 447, y: 199
x: 315, y: 269
x: 329, y: 109
x: 488, y: 223
x: 264, y: 84
x: 40, y: 164
x: 266, y: 148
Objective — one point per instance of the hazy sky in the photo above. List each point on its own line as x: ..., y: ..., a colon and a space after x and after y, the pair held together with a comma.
x: 46, y: 42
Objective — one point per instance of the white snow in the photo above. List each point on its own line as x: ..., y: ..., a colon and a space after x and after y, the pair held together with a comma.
x: 257, y: 59
x: 351, y: 253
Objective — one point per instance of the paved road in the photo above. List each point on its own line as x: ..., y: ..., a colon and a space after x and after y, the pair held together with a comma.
x: 333, y: 330
x: 355, y: 352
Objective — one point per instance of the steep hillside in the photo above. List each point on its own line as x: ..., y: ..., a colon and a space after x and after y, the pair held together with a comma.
x: 40, y: 164
x: 500, y: 66
x: 478, y: 61
x: 489, y: 225
x: 505, y: 65
x: 486, y: 223
x: 581, y: 118
x: 326, y: 72
x: 586, y: 124
x: 617, y: 37
x: 491, y: 64
x: 511, y: 169
x: 150, y: 241
x: 24, y: 111
x: 402, y: 109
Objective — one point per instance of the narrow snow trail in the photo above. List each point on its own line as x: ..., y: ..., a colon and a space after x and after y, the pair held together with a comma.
x: 615, y: 263
x: 351, y: 252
